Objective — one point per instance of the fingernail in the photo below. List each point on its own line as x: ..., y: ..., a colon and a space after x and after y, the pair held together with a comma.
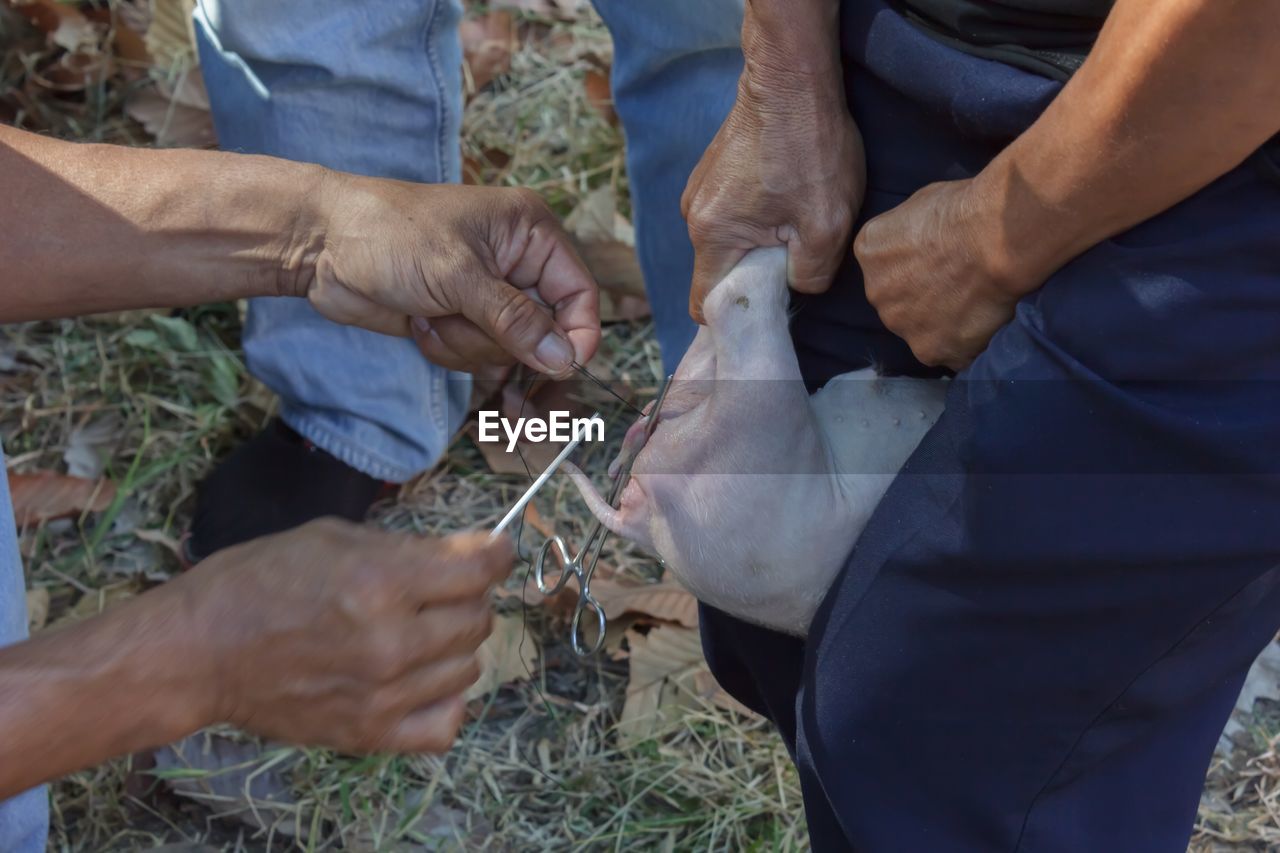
x: 421, y: 324
x: 554, y: 352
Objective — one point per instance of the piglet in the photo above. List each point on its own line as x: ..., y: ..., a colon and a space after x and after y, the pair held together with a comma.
x: 750, y: 490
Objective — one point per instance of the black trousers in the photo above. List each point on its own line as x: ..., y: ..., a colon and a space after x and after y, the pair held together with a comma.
x: 1041, y: 633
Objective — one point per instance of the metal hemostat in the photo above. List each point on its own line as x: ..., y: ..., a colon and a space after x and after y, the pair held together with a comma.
x: 583, y: 564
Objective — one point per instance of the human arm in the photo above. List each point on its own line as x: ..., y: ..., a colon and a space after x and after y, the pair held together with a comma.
x: 97, y: 227
x: 1174, y: 94
x: 786, y: 167
x: 330, y: 634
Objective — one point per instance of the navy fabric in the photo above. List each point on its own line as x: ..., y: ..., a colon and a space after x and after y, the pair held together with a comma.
x: 1041, y: 632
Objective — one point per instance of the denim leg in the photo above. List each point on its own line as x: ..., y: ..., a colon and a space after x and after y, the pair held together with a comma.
x: 24, y: 820
x: 372, y: 88
x: 675, y: 78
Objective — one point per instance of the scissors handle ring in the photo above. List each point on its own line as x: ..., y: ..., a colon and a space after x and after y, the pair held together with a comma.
x: 586, y: 601
x: 567, y: 567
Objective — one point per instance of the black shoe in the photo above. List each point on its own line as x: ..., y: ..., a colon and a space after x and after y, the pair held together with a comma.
x: 275, y: 481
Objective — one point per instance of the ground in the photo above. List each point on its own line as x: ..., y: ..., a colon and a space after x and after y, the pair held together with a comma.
x: 145, y: 402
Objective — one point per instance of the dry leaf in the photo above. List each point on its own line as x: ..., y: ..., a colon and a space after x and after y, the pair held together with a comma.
x: 170, y: 122
x: 74, y: 71
x: 236, y: 778
x: 62, y: 22
x: 44, y: 496
x: 606, y: 242
x: 507, y: 655
x: 599, y: 95
x: 622, y: 307
x: 171, y: 37
x: 97, y: 601
x: 663, y: 680
x: 614, y: 265
x: 666, y: 602
x: 476, y: 166
x: 37, y: 608
x: 488, y: 41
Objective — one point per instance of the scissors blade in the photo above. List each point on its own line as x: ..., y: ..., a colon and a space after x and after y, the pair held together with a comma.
x: 541, y: 481
x: 624, y: 470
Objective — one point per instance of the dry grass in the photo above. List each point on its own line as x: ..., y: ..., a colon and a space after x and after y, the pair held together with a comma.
x: 540, y: 766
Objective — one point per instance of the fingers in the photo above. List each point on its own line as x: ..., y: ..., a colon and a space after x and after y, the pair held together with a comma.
x: 457, y: 343
x: 816, y: 251
x: 449, y: 630
x: 432, y: 729
x: 457, y: 567
x: 535, y: 254
x: 519, y: 325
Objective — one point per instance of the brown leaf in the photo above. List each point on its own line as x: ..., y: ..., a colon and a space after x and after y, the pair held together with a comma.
x: 507, y: 655
x: 614, y: 265
x: 618, y: 307
x: 42, y: 496
x: 62, y: 22
x: 170, y: 122
x: 599, y: 95
x: 605, y: 242
x: 666, y: 602
x: 663, y: 680
x: 476, y: 168
x: 488, y: 41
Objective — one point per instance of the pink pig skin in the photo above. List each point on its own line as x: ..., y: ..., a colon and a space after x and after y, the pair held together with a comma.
x: 751, y: 491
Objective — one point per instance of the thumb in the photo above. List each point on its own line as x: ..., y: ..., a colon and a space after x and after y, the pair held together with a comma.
x: 711, y: 263
x: 521, y: 326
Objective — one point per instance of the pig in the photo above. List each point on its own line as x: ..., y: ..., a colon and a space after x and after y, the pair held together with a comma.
x: 751, y: 491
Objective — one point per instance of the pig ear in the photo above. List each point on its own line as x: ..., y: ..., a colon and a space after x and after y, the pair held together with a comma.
x: 616, y: 520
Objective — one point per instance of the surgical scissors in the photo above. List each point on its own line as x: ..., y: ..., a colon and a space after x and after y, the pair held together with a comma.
x: 583, y: 564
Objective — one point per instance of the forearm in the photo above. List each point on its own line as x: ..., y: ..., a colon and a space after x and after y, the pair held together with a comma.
x: 96, y: 228
x: 1175, y: 94
x: 794, y: 47
x: 109, y: 686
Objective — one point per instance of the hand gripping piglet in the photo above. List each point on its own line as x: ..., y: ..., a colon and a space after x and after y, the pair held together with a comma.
x: 752, y: 491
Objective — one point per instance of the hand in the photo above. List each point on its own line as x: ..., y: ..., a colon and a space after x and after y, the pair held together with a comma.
x: 936, y: 270
x: 477, y: 275
x: 344, y: 635
x: 786, y: 168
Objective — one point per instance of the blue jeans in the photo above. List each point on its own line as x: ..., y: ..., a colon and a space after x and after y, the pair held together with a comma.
x: 375, y: 88
x: 24, y: 820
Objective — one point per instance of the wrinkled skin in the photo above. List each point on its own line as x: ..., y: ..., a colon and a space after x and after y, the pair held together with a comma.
x: 752, y: 491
